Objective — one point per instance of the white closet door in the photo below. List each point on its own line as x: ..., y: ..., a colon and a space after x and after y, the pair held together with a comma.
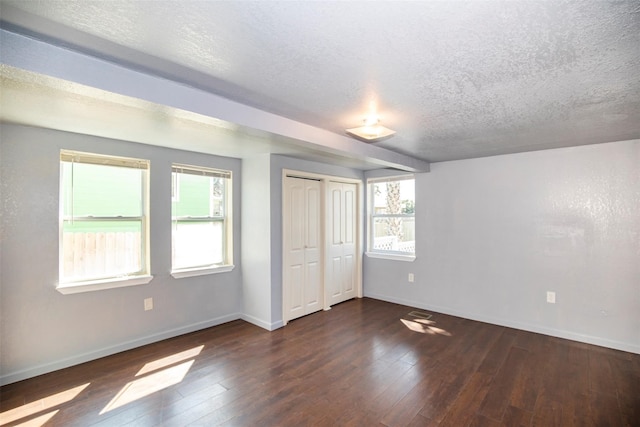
x: 314, y: 274
x: 342, y: 265
x: 303, y: 275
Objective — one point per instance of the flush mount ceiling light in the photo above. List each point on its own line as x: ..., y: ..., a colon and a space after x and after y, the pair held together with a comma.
x: 371, y: 131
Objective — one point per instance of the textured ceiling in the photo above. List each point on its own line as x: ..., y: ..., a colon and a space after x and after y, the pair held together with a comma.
x: 455, y: 79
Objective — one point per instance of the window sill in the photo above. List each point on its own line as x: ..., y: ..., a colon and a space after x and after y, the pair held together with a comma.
x: 99, y: 285
x: 395, y: 257
x: 179, y: 274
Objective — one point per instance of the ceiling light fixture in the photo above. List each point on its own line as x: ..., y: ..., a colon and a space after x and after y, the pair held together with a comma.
x: 371, y: 131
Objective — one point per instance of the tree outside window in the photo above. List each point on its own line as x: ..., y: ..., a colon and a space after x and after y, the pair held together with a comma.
x: 392, y: 218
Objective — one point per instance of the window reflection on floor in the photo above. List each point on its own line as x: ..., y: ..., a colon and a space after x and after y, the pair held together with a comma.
x: 166, y: 373
x: 41, y: 405
x: 424, y: 326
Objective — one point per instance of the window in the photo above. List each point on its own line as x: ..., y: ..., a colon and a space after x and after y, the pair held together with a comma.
x: 201, y: 220
x: 392, y: 216
x: 103, y: 221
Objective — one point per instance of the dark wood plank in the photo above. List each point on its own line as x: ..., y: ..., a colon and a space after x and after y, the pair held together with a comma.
x: 498, y: 352
x: 422, y: 421
x: 506, y: 378
x: 463, y: 410
x: 358, y: 364
x: 600, y: 373
x: 407, y: 408
x: 548, y: 412
x: 482, y: 421
x: 604, y: 410
x: 627, y: 381
x: 516, y: 417
x: 396, y: 390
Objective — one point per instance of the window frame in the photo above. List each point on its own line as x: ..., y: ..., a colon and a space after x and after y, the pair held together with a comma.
x: 88, y: 284
x: 226, y: 218
x: 372, y: 216
x: 175, y: 187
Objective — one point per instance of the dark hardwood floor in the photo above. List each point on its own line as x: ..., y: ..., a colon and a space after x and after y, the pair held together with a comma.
x: 363, y: 363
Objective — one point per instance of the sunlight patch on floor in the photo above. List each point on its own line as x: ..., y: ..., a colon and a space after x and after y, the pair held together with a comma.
x: 424, y: 326
x: 38, y: 421
x: 169, y: 360
x: 41, y: 405
x: 148, y: 385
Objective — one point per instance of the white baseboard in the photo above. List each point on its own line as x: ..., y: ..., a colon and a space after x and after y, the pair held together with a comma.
x: 107, y: 351
x: 261, y: 323
x: 588, y: 339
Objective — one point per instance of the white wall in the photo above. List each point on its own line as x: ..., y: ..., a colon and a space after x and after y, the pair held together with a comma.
x: 256, y: 241
x: 494, y: 234
x: 43, y: 330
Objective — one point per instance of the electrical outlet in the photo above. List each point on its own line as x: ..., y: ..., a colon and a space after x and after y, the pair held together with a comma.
x: 411, y: 277
x: 148, y: 304
x: 551, y: 297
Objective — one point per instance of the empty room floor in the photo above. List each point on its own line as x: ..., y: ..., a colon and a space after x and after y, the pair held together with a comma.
x: 363, y: 363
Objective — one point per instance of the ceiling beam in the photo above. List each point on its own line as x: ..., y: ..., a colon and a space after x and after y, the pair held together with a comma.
x: 44, y: 58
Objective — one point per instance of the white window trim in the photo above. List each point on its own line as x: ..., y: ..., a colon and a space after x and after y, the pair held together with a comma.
x: 175, y: 187
x: 227, y: 220
x: 99, y: 285
x: 193, y: 272
x: 117, y: 281
x: 381, y: 254
x: 391, y: 255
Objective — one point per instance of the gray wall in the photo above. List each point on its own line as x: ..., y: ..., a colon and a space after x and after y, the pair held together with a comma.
x: 43, y: 330
x: 494, y: 234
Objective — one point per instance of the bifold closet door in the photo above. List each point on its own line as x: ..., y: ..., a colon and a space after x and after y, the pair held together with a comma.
x: 303, y: 275
x: 342, y: 265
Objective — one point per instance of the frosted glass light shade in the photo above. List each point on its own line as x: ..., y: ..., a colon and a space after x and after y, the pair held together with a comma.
x: 371, y: 133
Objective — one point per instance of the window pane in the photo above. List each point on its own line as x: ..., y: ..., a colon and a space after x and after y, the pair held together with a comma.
x: 394, y: 234
x: 391, y: 220
x: 98, y: 249
x: 103, y: 224
x: 197, y: 244
x: 394, y: 197
x: 217, y: 196
x: 199, y: 196
x: 199, y: 217
x: 98, y: 190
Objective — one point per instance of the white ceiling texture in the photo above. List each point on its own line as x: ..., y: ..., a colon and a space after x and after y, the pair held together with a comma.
x: 454, y: 79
